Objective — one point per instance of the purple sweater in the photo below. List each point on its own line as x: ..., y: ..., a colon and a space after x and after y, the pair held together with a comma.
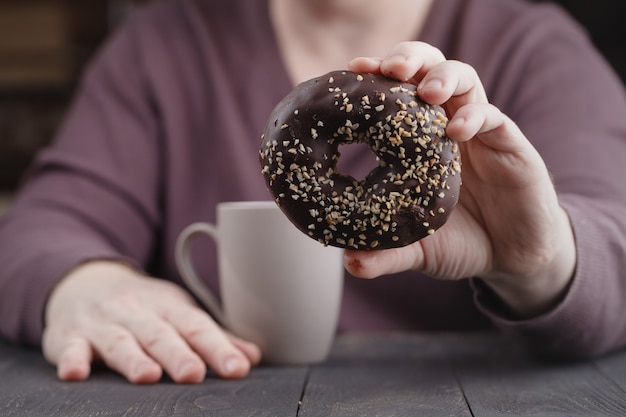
x: 167, y: 123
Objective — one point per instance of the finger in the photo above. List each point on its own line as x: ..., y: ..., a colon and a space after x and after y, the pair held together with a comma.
x: 487, y: 122
x: 371, y: 264
x: 407, y: 62
x: 500, y: 153
x: 251, y: 350
x: 120, y: 351
x: 410, y: 61
x: 210, y: 341
x: 73, y: 359
x: 452, y: 79
x: 362, y: 65
x: 166, y: 346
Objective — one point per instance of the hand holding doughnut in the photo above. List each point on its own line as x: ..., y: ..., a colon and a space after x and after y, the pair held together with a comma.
x: 508, y: 228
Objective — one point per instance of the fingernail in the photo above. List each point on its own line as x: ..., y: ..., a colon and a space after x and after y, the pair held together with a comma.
x: 231, y: 365
x: 143, y: 368
x: 431, y: 84
x: 457, y: 121
x: 185, y: 367
x: 398, y: 58
x: 375, y: 59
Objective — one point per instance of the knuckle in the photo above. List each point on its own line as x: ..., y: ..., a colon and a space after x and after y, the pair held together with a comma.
x: 116, y: 342
x: 198, y: 330
x: 157, y: 336
x: 195, y: 333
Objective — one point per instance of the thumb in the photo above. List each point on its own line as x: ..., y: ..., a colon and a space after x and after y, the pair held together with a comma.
x: 371, y: 264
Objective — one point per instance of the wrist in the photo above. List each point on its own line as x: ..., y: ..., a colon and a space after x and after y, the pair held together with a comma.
x: 533, y: 293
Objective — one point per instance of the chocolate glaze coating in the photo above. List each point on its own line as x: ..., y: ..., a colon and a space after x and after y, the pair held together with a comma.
x: 407, y: 197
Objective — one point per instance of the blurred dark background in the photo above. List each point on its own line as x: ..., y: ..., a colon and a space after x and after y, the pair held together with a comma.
x: 605, y: 21
x: 44, y: 45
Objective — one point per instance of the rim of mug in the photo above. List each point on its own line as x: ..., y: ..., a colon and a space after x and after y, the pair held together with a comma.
x: 248, y: 204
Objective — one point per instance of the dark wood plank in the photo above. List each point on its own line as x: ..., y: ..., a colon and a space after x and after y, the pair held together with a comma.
x: 387, y: 375
x: 499, y: 378
x: 613, y: 366
x: 29, y: 387
x: 390, y: 375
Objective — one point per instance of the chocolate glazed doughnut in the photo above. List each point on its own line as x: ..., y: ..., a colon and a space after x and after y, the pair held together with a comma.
x: 408, y: 196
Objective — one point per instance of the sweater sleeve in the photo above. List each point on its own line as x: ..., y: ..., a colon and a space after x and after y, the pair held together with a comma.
x: 91, y: 195
x: 590, y: 319
x: 571, y: 106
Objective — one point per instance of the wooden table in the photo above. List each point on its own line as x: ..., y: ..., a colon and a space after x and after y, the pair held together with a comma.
x: 385, y: 375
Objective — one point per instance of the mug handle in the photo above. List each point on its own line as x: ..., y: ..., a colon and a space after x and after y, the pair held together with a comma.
x: 188, y: 273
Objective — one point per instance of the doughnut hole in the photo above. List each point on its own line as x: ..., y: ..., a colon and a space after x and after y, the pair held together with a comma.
x: 356, y: 160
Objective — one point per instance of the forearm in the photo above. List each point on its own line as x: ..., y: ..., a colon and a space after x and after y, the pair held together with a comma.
x: 36, y: 250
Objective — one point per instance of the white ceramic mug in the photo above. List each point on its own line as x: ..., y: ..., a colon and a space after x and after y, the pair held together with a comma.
x: 279, y: 288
